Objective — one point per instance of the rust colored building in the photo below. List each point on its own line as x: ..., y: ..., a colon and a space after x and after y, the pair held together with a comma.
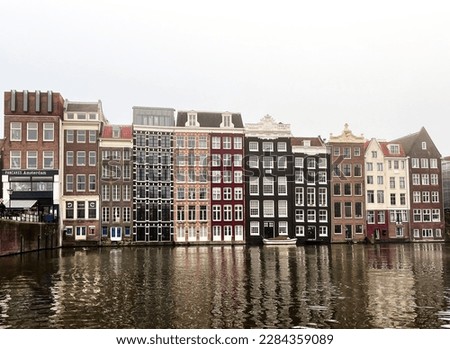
x: 347, y: 187
x: 30, y: 174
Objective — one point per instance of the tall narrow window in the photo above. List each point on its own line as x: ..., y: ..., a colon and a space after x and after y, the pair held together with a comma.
x: 32, y: 131
x: 48, y: 131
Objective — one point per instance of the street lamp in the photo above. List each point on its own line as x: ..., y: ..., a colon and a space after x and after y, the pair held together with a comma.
x: 10, y: 192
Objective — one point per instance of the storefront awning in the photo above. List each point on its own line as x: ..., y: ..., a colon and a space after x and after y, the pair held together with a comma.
x: 24, y: 204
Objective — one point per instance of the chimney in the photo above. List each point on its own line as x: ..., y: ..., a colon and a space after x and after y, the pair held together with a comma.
x: 13, y: 100
x: 38, y: 101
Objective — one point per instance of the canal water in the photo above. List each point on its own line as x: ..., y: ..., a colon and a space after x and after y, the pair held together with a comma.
x: 338, y: 286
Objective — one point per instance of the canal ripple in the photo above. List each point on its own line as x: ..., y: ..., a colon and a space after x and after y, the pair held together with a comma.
x: 339, y: 286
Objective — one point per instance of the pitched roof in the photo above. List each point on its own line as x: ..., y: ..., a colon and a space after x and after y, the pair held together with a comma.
x: 125, y: 131
x: 209, y: 119
x: 409, y: 141
x: 299, y: 141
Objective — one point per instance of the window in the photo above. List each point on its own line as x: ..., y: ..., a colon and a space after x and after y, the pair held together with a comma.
x: 191, y: 213
x: 436, y: 215
x: 267, y: 146
x: 299, y: 230
x: 32, y: 159
x: 238, y: 194
x: 416, y: 179
x: 348, y: 209
x: 92, y: 210
x: 323, y: 197
x: 415, y: 163
x: 15, y: 131
x: 311, y: 215
x: 69, y: 136
x: 237, y: 160
x: 180, y: 142
x: 370, y: 197
x: 237, y: 142
x: 381, y: 217
x: 238, y: 177
x: 69, y: 230
x: 425, y: 196
x: 215, y: 160
x: 268, y: 208
x: 92, y: 158
x: 417, y: 215
x: 347, y: 189
x: 424, y: 163
x: 48, y: 159
x: 69, y: 210
x: 192, y: 120
x: 434, y: 179
x: 336, y: 151
x: 254, y: 185
x: 180, y: 213
x: 268, y: 185
x: 322, y: 162
x: 48, y: 132
x: 357, y: 170
x: 216, y: 213
x: 427, y: 233
x: 227, y: 193
x: 299, y: 176
x: 254, y: 228
x: 81, y: 158
x: 238, y: 212
x: 227, y: 212
x: 402, y: 199
x: 282, y: 208
x: 299, y: 215
x: 371, y: 217
x: 358, y: 189
x: 216, y: 195
x: 226, y: 142
x: 282, y: 186
x: 369, y: 166
x: 32, y: 131
x: 311, y: 163
x: 282, y: 163
x: 216, y: 176
x: 323, y: 231
x: 69, y: 182
x: 81, y: 209
x: 435, y: 196
x: 393, y: 199
x: 299, y: 197
x: 369, y: 179
x: 380, y: 196
x: 267, y: 162
x: 337, y: 189
x: 323, y: 216
x: 380, y: 180
x: 433, y: 163
x: 426, y: 215
x: 253, y: 146
x: 105, y: 192
x: 105, y: 214
x: 93, y: 136
x: 191, y: 142
x: 191, y: 193
x: 311, y: 196
x: 322, y: 177
x: 115, y: 192
x: 81, y: 182
x: 283, y: 228
x: 81, y: 136
x: 424, y: 145
x: 227, y: 177
x: 254, y: 208
x: 92, y: 182
x: 298, y: 162
x: 425, y: 179
x: 346, y: 152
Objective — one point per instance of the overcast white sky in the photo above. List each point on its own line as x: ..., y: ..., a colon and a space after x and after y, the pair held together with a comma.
x: 381, y: 66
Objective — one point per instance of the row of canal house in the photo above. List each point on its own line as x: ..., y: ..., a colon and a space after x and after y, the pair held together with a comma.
x: 197, y: 177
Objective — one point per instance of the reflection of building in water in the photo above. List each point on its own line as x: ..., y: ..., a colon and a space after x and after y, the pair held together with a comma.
x: 348, y: 271
x: 288, y: 287
x: 428, y: 268
x: 391, y: 298
x: 208, y: 287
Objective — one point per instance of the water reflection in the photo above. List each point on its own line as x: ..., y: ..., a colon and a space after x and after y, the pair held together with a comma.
x: 339, y: 286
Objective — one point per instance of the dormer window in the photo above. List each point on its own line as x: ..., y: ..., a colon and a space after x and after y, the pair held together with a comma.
x: 192, y: 120
x: 424, y: 145
x: 116, y: 132
x: 226, y: 120
x: 306, y: 143
x: 394, y: 149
